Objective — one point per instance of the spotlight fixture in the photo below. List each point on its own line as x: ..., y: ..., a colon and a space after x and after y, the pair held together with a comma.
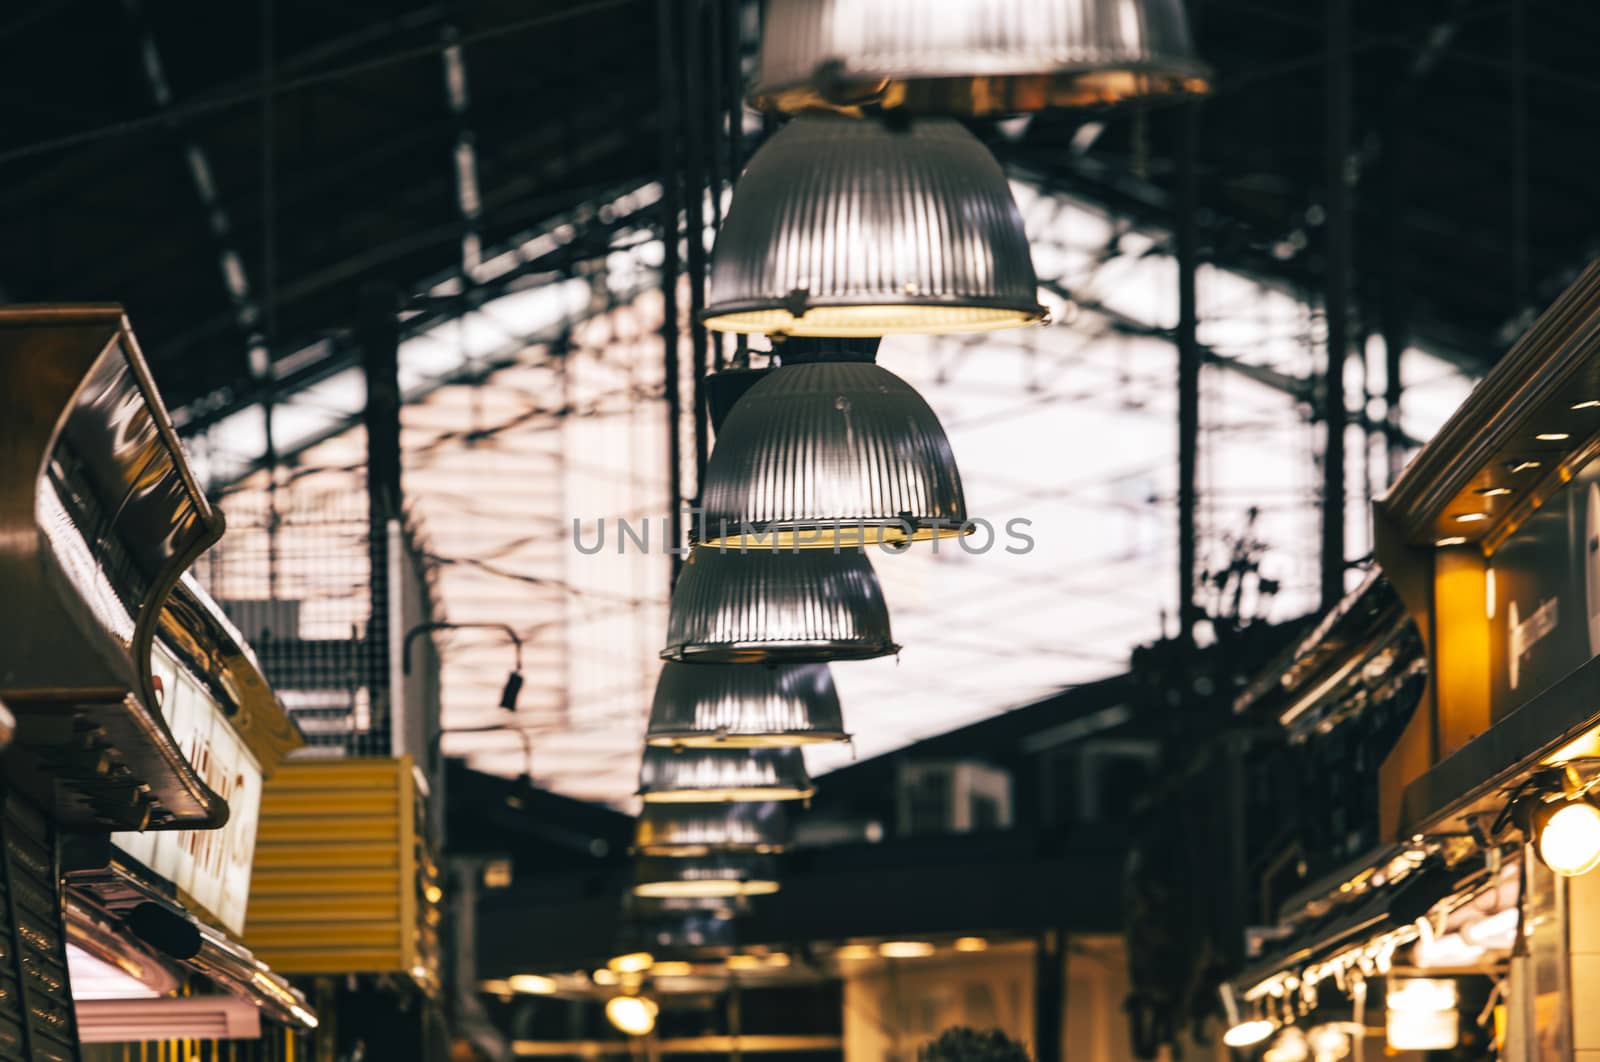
x: 711, y: 776
x: 731, y: 607
x: 1566, y: 835
x: 687, y: 831
x: 738, y: 706
x: 1249, y: 1033
x: 856, y: 228
x: 974, y: 57
x: 831, y: 455
x: 633, y: 1015
x: 717, y: 877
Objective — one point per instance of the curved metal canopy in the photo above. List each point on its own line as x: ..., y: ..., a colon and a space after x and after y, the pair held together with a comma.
x: 744, y: 706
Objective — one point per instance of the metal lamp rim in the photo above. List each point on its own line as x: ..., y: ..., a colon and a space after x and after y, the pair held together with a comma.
x: 722, y: 739
x: 785, y: 652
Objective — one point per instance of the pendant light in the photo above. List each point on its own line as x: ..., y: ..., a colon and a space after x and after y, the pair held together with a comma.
x: 842, y: 227
x: 830, y: 455
x: 686, y: 831
x: 974, y: 57
x: 744, y: 706
x: 740, y: 608
x: 713, y: 877
x: 712, y: 776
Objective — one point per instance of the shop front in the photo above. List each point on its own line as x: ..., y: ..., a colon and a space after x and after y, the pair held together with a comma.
x: 1455, y: 699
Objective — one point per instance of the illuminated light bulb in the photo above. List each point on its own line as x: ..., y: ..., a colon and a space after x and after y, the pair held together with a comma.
x: 1290, y: 1046
x: 905, y: 949
x: 1569, y: 842
x: 605, y: 978
x: 634, y: 1015
x: 855, y: 952
x: 531, y: 984
x: 1553, y: 436
x: 1588, y: 403
x: 671, y: 969
x: 1422, y: 1015
x: 1249, y: 1033
x: 971, y: 944
x: 778, y: 959
x: 1453, y: 540
x: 632, y: 962
x: 1471, y: 518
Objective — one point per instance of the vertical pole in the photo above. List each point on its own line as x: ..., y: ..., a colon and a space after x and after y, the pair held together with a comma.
x: 735, y: 76
x: 694, y: 182
x: 261, y: 362
x: 1188, y: 370
x: 1393, y: 312
x: 1336, y: 298
x: 668, y: 129
x: 378, y: 334
x: 1049, y: 986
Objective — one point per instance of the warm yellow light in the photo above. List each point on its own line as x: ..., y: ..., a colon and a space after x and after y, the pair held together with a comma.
x: 1553, y: 436
x: 604, y: 978
x: 531, y: 984
x: 672, y: 969
x: 634, y: 1015
x: 1470, y: 518
x: 726, y: 795
x: 854, y: 952
x: 845, y: 536
x: 632, y: 962
x: 708, y: 889
x: 1494, y: 492
x: 1249, y: 1033
x: 433, y: 893
x: 777, y: 959
x: 715, y: 740
x: 1569, y: 843
x: 496, y: 988
x: 1422, y: 1015
x: 1524, y: 466
x: 1453, y: 540
x: 1588, y: 403
x: 852, y: 322
x: 905, y: 949
x: 744, y: 962
x: 971, y: 944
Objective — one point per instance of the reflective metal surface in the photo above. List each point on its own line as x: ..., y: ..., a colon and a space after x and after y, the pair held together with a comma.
x: 733, y: 607
x: 842, y: 227
x: 830, y: 455
x: 714, y: 877
x: 974, y: 57
x: 100, y: 515
x: 705, y: 776
x: 744, y: 706
x: 691, y: 830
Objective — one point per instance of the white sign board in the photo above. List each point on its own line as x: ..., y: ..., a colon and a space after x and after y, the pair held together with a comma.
x: 211, y: 866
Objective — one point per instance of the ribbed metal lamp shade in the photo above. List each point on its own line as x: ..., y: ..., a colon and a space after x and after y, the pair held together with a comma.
x: 717, y: 877
x: 737, y: 706
x: 742, y: 608
x: 842, y: 227
x: 712, y: 776
x: 686, y: 831
x: 974, y: 57
x: 830, y: 455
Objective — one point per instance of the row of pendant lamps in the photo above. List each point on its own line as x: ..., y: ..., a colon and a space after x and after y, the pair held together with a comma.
x: 845, y: 228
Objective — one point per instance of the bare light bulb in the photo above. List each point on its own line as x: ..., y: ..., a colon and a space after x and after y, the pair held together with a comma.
x: 1569, y: 844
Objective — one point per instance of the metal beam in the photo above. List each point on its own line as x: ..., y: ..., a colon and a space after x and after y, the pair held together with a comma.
x: 1336, y: 298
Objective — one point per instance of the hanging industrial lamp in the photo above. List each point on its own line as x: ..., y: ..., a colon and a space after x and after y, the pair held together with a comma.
x: 731, y: 607
x: 842, y: 227
x: 687, y: 831
x: 830, y: 455
x: 737, y: 706
x: 722, y: 876
x: 711, y: 776
x: 974, y: 57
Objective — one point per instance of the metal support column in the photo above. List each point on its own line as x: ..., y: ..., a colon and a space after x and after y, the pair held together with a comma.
x: 378, y: 336
x: 1336, y: 298
x: 695, y: 121
x: 1049, y: 993
x: 1188, y: 369
x: 667, y: 122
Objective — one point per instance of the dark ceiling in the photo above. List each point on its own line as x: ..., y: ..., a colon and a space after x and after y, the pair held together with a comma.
x: 101, y: 202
